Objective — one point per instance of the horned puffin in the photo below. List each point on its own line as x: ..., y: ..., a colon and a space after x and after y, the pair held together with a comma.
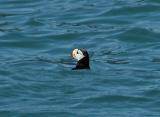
x: 82, y: 56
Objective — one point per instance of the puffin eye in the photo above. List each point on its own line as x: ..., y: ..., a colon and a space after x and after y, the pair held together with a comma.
x: 77, y: 52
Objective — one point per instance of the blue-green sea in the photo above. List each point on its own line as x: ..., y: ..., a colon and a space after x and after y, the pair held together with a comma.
x: 123, y: 41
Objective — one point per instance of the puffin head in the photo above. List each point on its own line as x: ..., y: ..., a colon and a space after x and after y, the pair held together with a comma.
x: 82, y: 56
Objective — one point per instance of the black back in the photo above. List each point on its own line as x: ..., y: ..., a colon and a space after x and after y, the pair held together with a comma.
x: 84, y: 62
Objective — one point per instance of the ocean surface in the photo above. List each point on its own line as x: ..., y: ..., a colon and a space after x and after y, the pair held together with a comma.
x: 123, y: 41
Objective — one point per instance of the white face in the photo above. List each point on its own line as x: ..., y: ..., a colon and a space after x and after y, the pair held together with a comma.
x: 77, y: 54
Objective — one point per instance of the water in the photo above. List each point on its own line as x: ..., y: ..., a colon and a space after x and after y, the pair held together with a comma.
x: 123, y: 40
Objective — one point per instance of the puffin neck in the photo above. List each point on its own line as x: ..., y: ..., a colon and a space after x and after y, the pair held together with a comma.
x: 83, y: 63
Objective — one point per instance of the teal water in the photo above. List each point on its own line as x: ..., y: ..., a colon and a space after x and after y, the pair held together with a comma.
x: 121, y: 36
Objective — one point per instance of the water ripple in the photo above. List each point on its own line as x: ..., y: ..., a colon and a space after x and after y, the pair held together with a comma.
x: 122, y: 38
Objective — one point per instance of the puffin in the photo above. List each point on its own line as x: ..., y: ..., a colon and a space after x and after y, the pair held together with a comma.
x: 82, y: 57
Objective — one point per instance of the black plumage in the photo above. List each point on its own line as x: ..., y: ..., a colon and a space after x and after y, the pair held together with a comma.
x: 84, y: 62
